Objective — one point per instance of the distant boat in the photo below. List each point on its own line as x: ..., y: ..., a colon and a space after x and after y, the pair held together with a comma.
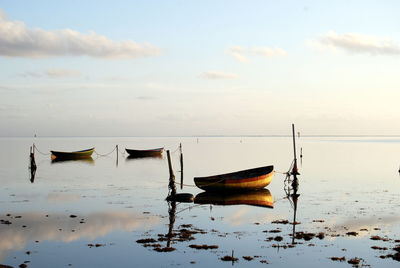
x: 145, y: 153
x: 72, y: 155
x: 249, y: 179
x: 260, y: 198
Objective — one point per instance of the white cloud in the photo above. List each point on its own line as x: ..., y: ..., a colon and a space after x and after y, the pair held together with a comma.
x: 17, y: 40
x: 218, y: 75
x: 359, y: 43
x: 61, y: 73
x: 238, y: 53
x: 242, y: 54
x: 269, y: 52
x: 51, y: 73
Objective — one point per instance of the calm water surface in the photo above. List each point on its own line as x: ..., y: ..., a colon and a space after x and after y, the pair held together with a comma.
x: 346, y: 185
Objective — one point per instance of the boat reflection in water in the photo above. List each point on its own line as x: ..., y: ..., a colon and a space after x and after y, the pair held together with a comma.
x: 149, y: 157
x: 88, y: 160
x: 260, y: 198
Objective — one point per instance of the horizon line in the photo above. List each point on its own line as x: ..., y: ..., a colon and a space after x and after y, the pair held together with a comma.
x: 211, y: 136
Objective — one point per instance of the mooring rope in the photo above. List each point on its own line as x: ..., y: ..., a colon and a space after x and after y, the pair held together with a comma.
x: 107, y: 153
x: 35, y: 148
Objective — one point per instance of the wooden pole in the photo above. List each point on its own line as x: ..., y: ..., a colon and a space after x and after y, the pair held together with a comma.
x: 181, y: 158
x: 294, y: 170
x: 33, y: 166
x: 32, y: 157
x: 117, y: 154
x: 171, y: 176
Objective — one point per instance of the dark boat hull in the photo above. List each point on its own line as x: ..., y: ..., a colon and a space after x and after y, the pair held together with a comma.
x: 72, y: 155
x: 250, y: 179
x: 144, y: 153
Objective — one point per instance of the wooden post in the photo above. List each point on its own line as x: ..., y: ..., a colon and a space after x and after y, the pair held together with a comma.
x: 32, y: 166
x: 117, y: 154
x: 171, y: 176
x: 294, y: 170
x: 181, y: 158
x: 32, y: 157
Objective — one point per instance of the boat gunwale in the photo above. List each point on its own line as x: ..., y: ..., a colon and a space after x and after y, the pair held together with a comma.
x: 74, y: 152
x: 241, y: 174
x: 155, y: 150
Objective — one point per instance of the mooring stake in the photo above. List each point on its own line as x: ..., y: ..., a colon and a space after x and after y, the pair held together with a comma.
x: 181, y: 160
x: 171, y: 176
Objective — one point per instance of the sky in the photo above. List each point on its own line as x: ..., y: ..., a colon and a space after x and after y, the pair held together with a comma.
x: 199, y: 67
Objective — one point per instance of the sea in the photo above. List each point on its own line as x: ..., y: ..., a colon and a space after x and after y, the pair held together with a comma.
x: 111, y: 210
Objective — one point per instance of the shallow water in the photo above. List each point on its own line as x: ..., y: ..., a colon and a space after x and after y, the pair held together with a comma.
x: 347, y: 184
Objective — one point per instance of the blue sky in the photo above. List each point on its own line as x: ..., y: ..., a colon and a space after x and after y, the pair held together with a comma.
x: 81, y: 68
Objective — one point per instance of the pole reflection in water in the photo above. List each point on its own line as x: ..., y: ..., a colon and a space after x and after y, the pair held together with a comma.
x: 171, y: 214
x: 292, y: 195
x: 33, y: 173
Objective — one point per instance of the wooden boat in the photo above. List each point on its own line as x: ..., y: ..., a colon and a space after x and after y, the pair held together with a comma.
x: 72, y: 155
x: 249, y: 179
x: 144, y: 153
x: 260, y: 198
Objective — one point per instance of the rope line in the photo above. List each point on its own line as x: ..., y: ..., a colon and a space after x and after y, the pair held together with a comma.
x: 107, y: 153
x: 35, y: 148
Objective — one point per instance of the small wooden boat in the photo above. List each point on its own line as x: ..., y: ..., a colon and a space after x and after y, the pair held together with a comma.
x: 249, y: 179
x: 145, y: 153
x: 72, y: 155
x: 260, y: 198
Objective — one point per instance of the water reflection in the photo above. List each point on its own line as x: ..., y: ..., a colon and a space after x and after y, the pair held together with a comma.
x: 28, y: 227
x: 32, y: 174
x: 291, y: 188
x: 260, y: 198
x: 150, y: 157
x: 89, y: 160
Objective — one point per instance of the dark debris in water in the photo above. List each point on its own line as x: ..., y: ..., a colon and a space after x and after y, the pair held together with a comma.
x: 229, y: 258
x: 146, y: 241
x: 377, y: 237
x: 280, y: 222
x: 304, y: 235
x: 273, y: 231
x: 166, y: 249
x: 341, y: 259
x: 354, y: 261
x: 379, y: 248
x: 283, y: 246
x: 203, y: 246
x: 95, y: 245
x: 352, y: 233
x: 5, y: 266
x: 156, y: 245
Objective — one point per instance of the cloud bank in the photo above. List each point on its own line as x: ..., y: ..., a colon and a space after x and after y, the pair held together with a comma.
x: 17, y: 40
x: 242, y: 54
x: 218, y: 75
x: 358, y: 43
x: 51, y: 73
